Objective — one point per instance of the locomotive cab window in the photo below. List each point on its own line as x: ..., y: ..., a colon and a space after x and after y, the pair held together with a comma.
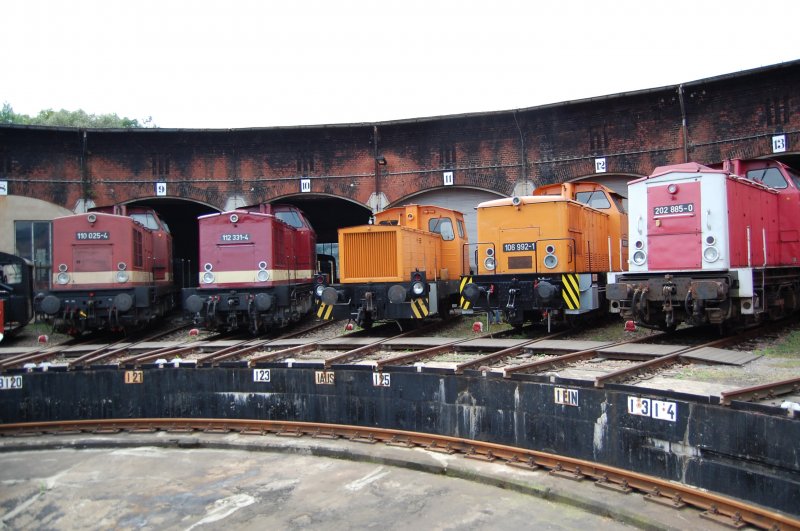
x: 442, y: 226
x: 148, y: 220
x: 771, y: 177
x: 595, y: 199
x: 291, y: 218
x: 11, y: 274
x: 461, y: 230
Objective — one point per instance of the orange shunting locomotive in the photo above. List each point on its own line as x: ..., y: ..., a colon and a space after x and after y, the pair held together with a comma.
x: 544, y: 257
x: 405, y: 265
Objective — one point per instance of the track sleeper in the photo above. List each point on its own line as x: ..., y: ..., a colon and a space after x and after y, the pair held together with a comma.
x: 473, y: 454
x: 433, y: 447
x: 561, y: 472
x: 734, y: 521
x: 368, y: 439
x: 623, y: 487
x: 656, y: 496
x: 527, y: 464
x: 327, y: 434
x: 402, y: 443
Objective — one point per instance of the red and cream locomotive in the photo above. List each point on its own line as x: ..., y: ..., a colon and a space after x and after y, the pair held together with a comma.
x: 711, y: 245
x: 257, y: 269
x: 113, y: 270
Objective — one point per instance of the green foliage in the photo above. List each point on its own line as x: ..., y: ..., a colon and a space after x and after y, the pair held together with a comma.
x: 79, y: 118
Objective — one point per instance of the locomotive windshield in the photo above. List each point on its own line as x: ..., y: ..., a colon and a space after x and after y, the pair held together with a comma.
x: 291, y: 218
x: 11, y: 274
x: 148, y: 220
x: 595, y: 199
x: 442, y: 226
x: 771, y: 177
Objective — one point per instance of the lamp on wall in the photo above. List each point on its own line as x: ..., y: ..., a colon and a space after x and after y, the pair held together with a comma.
x: 381, y: 161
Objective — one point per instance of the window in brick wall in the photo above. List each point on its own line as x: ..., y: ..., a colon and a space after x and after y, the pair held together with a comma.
x: 598, y: 138
x: 305, y: 162
x: 5, y: 165
x: 447, y: 156
x: 160, y: 165
x: 777, y: 110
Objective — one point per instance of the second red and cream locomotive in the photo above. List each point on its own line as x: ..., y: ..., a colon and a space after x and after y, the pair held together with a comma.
x: 711, y: 245
x: 257, y: 269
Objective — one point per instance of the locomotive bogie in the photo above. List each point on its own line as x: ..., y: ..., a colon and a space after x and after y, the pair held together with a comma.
x: 545, y: 257
x: 711, y: 245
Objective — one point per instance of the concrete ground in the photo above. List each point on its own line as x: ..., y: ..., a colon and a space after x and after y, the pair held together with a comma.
x: 213, y: 481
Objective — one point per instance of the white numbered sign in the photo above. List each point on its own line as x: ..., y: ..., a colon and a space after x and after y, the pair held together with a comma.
x: 447, y: 177
x: 566, y: 397
x: 600, y: 165
x: 261, y: 375
x: 656, y: 409
x: 305, y: 185
x: 10, y: 382
x: 381, y: 379
x: 779, y: 143
x: 161, y: 189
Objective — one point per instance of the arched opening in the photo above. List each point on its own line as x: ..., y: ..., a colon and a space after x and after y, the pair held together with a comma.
x: 327, y: 214
x: 458, y: 198
x: 180, y: 215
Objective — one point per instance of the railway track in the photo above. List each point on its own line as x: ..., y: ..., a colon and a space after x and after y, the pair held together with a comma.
x: 720, y: 509
x: 616, y: 361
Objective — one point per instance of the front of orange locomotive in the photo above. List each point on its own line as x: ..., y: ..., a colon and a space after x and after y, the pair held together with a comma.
x: 105, y: 274
x: 543, y: 258
x: 257, y: 269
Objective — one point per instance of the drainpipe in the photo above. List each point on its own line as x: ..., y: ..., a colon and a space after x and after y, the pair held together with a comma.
x: 683, y: 125
x: 521, y: 150
x: 377, y: 167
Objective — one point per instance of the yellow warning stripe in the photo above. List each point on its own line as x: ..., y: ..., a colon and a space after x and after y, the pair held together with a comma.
x: 570, y: 291
x: 464, y: 304
x: 324, y: 311
x: 419, y: 307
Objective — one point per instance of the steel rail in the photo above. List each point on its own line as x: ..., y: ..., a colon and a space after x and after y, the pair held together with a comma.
x: 668, y: 359
x: 718, y: 507
x: 564, y: 359
x: 761, y: 392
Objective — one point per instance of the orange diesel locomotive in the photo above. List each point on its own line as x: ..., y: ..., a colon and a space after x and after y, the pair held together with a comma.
x: 544, y: 257
x: 114, y: 270
x: 404, y: 266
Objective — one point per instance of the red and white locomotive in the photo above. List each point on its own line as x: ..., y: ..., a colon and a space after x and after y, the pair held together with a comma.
x: 257, y: 269
x: 711, y: 245
x: 114, y: 270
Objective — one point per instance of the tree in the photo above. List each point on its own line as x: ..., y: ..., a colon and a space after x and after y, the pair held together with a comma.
x: 79, y: 118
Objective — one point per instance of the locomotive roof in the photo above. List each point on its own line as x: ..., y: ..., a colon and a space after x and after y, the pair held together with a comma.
x: 548, y: 193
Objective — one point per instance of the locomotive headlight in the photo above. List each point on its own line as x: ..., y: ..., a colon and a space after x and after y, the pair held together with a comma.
x: 62, y: 267
x: 122, y: 266
x: 710, y: 254
x: 208, y: 277
x: 122, y: 276
x: 62, y: 278
x: 208, y: 266
x: 418, y: 288
x: 234, y: 218
x: 550, y: 261
x: 639, y: 244
x: 489, y: 263
x: 639, y: 257
x: 672, y: 188
x: 318, y: 290
x: 262, y: 276
x: 262, y: 265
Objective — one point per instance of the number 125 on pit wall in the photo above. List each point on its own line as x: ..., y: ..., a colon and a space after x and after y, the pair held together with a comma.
x: 656, y: 409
